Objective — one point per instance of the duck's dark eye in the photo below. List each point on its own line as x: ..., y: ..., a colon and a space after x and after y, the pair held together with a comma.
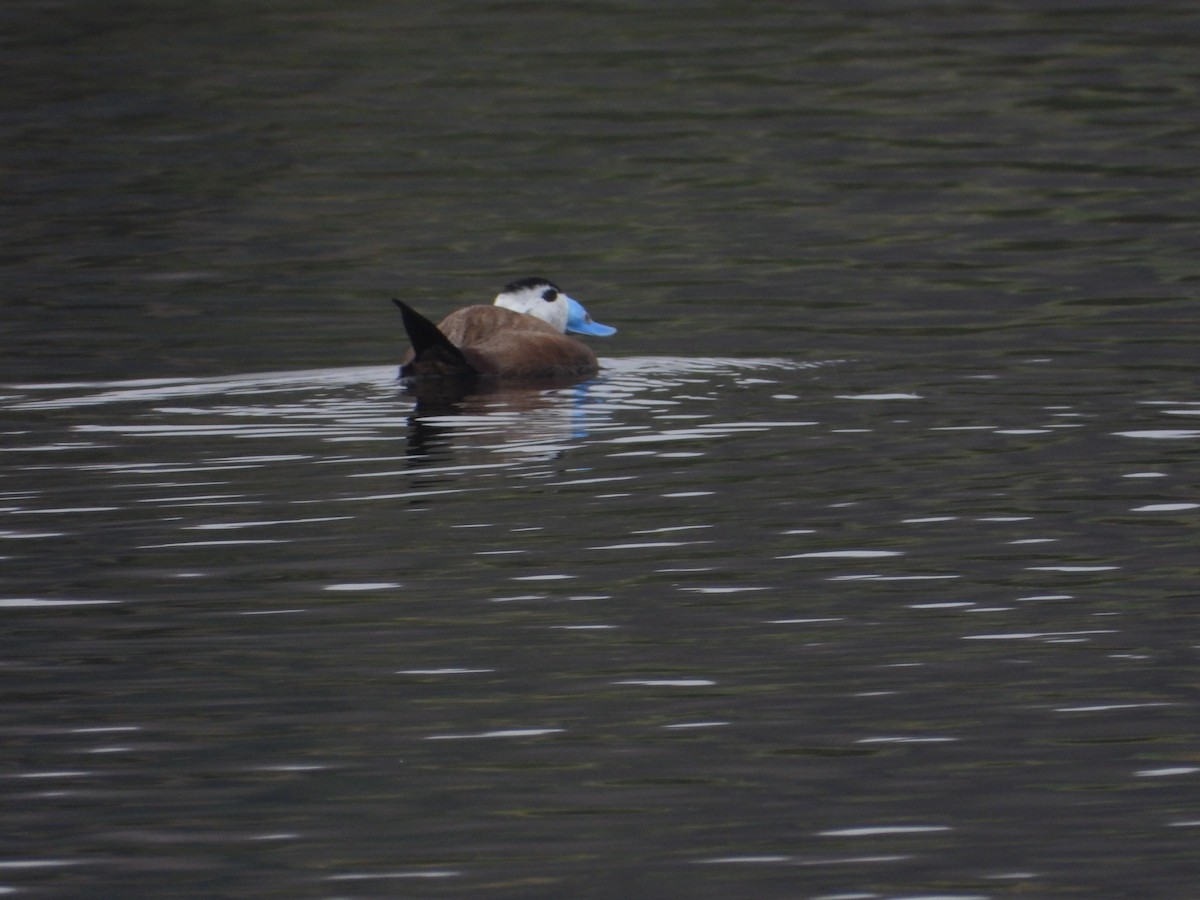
x: 549, y: 295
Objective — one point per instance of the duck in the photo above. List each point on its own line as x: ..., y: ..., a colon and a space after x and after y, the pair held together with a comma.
x: 521, y: 336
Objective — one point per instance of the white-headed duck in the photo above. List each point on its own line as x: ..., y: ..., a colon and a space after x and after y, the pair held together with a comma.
x: 522, y: 335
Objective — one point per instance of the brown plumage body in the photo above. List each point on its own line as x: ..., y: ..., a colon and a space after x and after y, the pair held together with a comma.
x: 494, y: 342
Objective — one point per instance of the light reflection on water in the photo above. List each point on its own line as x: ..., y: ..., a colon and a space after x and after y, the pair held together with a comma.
x: 864, y: 622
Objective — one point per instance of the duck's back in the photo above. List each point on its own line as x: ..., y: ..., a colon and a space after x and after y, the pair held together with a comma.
x: 500, y: 343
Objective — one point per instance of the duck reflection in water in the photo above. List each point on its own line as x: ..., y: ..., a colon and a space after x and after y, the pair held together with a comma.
x: 501, y: 422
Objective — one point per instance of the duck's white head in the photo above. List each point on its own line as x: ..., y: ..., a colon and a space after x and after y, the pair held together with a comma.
x: 545, y: 300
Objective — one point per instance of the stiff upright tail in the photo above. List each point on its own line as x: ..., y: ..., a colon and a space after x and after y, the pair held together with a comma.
x: 432, y: 352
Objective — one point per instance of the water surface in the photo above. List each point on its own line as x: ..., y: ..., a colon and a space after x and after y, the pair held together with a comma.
x: 865, y: 568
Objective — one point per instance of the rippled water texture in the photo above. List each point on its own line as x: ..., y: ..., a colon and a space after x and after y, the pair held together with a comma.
x: 866, y: 568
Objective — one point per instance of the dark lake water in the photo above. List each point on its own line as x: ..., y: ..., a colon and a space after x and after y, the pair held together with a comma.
x: 866, y: 568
